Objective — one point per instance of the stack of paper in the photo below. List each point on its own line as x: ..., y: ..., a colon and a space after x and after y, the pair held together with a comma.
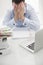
x: 5, y: 31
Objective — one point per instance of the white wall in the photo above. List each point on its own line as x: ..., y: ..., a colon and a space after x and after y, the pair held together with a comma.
x: 41, y: 11
x: 4, y: 5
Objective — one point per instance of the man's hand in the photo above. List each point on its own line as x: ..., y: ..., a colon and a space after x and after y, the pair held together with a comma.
x: 19, y: 12
x: 15, y: 13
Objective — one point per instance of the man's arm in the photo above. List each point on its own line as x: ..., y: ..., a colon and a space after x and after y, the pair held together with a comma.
x: 8, y: 18
x: 32, y: 21
x: 32, y: 24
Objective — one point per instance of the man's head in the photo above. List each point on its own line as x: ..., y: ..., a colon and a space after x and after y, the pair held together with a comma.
x: 18, y: 3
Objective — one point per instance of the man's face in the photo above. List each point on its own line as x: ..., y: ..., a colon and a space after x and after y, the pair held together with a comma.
x: 18, y: 6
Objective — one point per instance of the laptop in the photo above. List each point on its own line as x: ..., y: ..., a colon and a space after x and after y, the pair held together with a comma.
x: 34, y: 43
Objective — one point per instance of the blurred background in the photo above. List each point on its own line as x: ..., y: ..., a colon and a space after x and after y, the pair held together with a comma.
x: 36, y: 4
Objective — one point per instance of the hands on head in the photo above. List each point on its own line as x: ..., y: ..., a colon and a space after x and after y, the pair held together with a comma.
x: 19, y: 11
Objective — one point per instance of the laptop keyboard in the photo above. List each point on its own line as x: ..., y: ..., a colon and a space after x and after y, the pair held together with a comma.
x: 31, y: 46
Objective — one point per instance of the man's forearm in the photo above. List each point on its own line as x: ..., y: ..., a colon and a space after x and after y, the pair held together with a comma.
x: 32, y: 24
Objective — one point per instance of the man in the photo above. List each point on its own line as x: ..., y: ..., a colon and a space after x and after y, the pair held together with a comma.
x: 22, y: 15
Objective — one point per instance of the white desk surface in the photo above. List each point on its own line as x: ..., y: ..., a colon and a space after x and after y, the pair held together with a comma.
x: 20, y: 56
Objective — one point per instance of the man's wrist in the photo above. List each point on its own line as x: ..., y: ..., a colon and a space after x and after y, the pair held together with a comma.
x: 15, y: 18
x: 23, y: 18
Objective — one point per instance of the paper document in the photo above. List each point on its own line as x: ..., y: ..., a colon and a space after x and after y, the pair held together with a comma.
x: 22, y: 34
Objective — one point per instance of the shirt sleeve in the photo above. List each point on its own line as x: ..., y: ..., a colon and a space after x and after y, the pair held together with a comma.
x: 8, y: 18
x: 32, y: 20
x: 32, y: 24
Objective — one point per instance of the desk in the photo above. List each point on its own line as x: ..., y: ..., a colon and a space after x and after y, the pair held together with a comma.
x: 20, y: 56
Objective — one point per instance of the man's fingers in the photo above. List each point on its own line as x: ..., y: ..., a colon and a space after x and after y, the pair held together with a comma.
x: 22, y: 5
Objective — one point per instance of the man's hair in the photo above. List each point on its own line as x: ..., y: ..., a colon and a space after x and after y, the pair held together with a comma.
x: 18, y: 1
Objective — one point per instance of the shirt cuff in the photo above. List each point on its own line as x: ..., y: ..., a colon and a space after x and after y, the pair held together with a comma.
x: 26, y: 21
